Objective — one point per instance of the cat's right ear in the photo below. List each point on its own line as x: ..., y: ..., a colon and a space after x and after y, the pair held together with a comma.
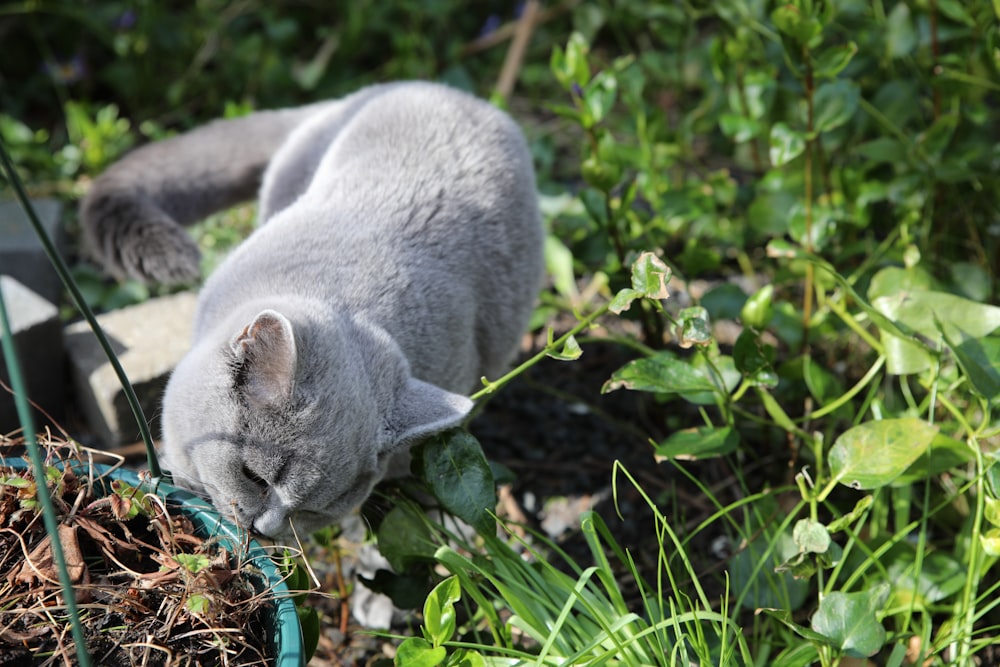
x: 265, y: 359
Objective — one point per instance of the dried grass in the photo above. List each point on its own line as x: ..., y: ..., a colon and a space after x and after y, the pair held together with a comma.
x: 150, y: 590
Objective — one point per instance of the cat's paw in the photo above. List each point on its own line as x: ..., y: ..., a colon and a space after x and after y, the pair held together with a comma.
x: 132, y: 238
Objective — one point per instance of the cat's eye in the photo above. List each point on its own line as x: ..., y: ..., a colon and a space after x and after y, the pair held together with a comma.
x: 253, y: 477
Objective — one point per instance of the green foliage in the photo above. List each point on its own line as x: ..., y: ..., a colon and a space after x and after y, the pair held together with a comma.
x: 838, y: 157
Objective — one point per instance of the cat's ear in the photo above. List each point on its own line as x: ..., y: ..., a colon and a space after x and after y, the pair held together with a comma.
x: 421, y: 410
x: 265, y: 359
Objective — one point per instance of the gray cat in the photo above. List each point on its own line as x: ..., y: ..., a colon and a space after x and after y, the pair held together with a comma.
x: 399, y: 263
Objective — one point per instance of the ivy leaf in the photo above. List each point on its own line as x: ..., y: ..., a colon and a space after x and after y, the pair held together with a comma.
x: 848, y: 621
x: 873, y: 454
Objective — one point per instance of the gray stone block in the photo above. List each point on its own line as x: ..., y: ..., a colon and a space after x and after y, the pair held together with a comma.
x: 149, y: 339
x: 21, y: 253
x: 38, y: 342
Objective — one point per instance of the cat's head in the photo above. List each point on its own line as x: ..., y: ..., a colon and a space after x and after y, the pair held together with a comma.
x: 280, y: 423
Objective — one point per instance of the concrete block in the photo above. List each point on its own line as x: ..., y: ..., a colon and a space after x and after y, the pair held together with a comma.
x: 149, y: 339
x: 38, y: 342
x: 21, y: 253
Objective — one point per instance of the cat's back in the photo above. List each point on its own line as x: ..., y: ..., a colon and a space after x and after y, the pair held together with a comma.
x: 420, y: 212
x: 424, y: 141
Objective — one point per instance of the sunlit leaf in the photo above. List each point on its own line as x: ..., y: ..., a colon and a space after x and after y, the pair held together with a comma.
x: 439, y: 611
x: 875, y: 453
x: 662, y: 373
x: 418, y: 652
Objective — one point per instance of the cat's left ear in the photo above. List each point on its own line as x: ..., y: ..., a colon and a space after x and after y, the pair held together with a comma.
x: 421, y: 410
x: 266, y: 358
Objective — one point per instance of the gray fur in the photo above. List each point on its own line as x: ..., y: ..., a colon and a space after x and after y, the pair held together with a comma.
x: 399, y: 263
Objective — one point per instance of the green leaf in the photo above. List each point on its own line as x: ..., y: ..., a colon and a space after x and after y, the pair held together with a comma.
x: 860, y: 508
x: 309, y: 621
x: 417, y: 652
x: 600, y: 94
x: 849, y: 621
x: 622, y: 301
x: 198, y: 603
x: 699, y: 443
x: 873, y: 454
x: 439, y: 611
x: 757, y: 310
x: 662, y: 373
x: 739, y: 128
x: 944, y: 454
x: 693, y: 327
x: 760, y: 586
x: 926, y: 311
x: 954, y: 10
x: 469, y: 658
x: 835, y: 103
x: 990, y: 542
x: 831, y: 61
x: 992, y: 511
x: 940, y: 577
x: 559, y: 265
x: 650, y: 276
x: 408, y: 591
x: 570, y: 351
x: 785, y: 144
x: 823, y: 385
x: 790, y: 21
x: 980, y: 359
x: 193, y: 563
x: 901, y: 35
x: 754, y: 359
x: 570, y: 65
x: 649, y: 280
x: 460, y: 478
x: 811, y: 536
x: 404, y: 539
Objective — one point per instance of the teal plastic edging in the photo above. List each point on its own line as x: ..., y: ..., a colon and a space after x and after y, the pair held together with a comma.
x: 287, y: 646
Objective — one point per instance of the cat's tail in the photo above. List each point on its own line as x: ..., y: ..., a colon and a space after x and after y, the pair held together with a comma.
x: 133, y: 215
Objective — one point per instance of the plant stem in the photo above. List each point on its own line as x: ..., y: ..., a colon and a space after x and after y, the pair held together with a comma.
x: 491, y: 387
x: 81, y: 304
x: 41, y: 487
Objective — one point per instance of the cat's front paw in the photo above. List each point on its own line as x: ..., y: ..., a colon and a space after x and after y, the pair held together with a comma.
x: 133, y: 238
